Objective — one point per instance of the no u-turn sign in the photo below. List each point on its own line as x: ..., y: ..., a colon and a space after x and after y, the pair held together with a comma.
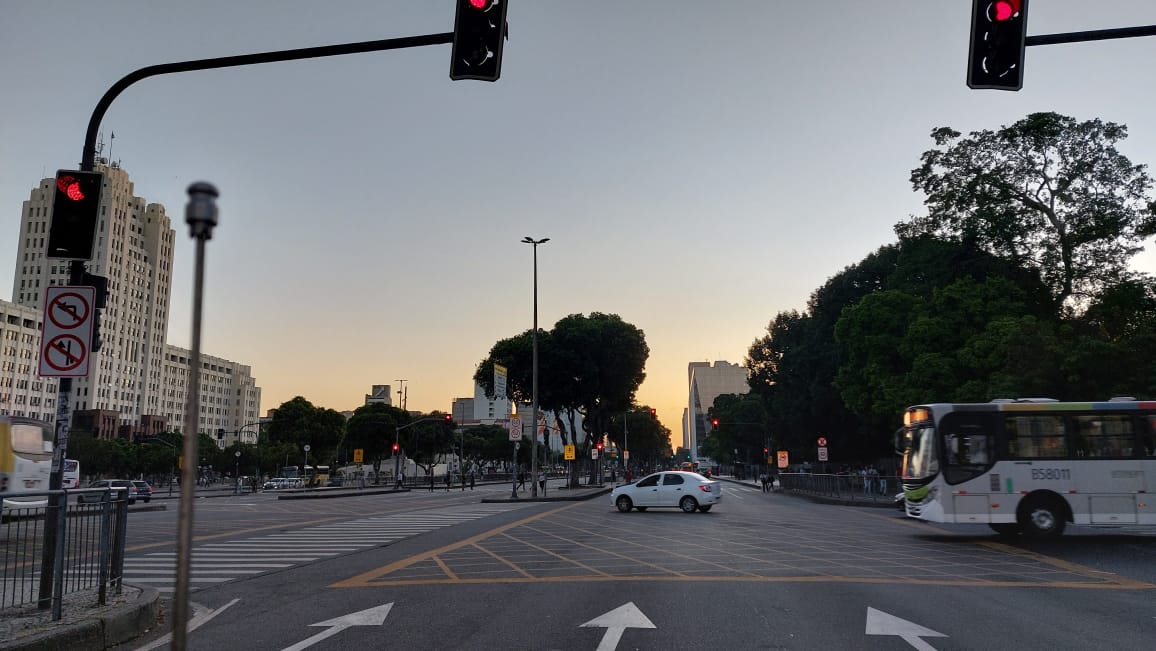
x: 66, y: 339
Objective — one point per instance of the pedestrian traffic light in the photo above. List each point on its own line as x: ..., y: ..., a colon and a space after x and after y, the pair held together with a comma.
x: 479, y: 30
x: 75, y: 209
x: 998, y: 40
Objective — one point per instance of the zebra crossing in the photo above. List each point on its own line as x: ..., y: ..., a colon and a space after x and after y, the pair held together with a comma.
x: 220, y: 562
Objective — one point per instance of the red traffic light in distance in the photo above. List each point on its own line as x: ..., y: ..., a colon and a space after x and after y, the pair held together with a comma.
x: 395, y: 447
x: 481, y: 4
x: 449, y: 418
x: 653, y: 412
x: 714, y: 422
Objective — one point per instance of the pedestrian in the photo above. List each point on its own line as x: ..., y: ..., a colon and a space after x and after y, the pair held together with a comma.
x: 448, y: 480
x: 471, y: 480
x: 521, y: 480
x: 765, y: 479
x: 542, y: 480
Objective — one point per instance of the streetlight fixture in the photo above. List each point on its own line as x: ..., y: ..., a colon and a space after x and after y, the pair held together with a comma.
x: 534, y: 445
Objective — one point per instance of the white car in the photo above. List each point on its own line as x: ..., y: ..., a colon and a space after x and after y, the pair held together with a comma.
x: 688, y: 491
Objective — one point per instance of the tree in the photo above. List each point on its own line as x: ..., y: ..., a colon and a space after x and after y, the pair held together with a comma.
x: 1047, y: 193
x: 297, y: 423
x: 372, y: 428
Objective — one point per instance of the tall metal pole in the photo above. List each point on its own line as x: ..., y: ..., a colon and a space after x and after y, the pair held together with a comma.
x: 201, y: 216
x: 534, y: 410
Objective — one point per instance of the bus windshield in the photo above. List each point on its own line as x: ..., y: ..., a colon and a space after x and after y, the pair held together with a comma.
x: 919, y: 458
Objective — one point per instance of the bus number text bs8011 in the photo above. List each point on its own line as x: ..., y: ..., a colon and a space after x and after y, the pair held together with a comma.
x: 1051, y: 473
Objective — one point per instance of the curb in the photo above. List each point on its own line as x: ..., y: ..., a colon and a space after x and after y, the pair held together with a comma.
x: 568, y: 498
x: 116, y: 625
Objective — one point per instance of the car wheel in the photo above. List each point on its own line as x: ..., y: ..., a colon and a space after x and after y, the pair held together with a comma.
x: 1005, y: 528
x: 624, y: 504
x: 688, y: 505
x: 1041, y: 517
x: 706, y: 508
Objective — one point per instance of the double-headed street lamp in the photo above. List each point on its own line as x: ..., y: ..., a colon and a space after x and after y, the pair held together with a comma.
x: 534, y: 445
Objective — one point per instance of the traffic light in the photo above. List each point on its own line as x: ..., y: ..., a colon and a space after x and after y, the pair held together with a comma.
x: 479, y: 30
x: 714, y: 422
x: 100, y: 283
x: 653, y: 412
x: 395, y: 447
x: 75, y: 208
x: 998, y: 32
x: 449, y: 419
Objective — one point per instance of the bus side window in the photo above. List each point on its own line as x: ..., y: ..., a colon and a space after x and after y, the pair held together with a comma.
x: 1104, y: 435
x: 1148, y: 437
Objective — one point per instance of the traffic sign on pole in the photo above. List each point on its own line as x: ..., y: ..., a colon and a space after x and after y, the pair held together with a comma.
x: 822, y: 454
x: 515, y: 428
x: 822, y: 441
x: 66, y: 340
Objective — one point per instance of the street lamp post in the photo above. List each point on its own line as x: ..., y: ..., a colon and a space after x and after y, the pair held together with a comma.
x: 534, y: 411
x: 305, y: 468
x: 237, y: 473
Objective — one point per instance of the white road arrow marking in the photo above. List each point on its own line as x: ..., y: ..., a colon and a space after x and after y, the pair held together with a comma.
x: 880, y: 623
x: 616, y: 622
x: 370, y: 617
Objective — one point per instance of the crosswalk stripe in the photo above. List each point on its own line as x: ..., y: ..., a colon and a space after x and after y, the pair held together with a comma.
x: 223, y: 561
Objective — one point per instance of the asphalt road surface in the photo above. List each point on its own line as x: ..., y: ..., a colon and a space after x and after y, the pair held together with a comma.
x: 441, y: 570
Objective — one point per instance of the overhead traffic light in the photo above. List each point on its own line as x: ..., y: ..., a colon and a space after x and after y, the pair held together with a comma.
x: 75, y: 209
x: 479, y: 31
x: 395, y: 446
x: 999, y: 31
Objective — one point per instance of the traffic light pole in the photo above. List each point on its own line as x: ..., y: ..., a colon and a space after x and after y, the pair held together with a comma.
x: 88, y: 160
x: 1093, y: 35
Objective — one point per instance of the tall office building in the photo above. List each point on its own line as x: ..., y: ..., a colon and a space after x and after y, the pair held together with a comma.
x: 135, y: 378
x: 707, y: 383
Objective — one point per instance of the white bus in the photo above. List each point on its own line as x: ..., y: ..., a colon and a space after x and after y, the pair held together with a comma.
x: 1031, y: 465
x: 71, y: 476
x: 25, y: 461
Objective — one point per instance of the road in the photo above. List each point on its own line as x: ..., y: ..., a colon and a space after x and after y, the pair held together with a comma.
x: 440, y: 570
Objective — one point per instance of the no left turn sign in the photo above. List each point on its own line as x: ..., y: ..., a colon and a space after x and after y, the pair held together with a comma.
x: 66, y: 338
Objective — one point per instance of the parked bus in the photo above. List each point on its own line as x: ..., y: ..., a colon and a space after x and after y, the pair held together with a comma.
x: 71, y: 478
x: 25, y: 460
x: 1031, y: 466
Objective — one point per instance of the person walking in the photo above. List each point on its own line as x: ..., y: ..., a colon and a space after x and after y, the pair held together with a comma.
x: 448, y: 480
x: 765, y: 479
x: 542, y: 481
x: 471, y: 480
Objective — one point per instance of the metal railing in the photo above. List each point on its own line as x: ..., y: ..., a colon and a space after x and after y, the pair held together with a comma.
x: 852, y: 487
x: 90, y: 525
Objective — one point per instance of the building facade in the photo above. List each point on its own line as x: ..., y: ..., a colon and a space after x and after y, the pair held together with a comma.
x: 708, y: 382
x: 22, y: 391
x: 132, y: 374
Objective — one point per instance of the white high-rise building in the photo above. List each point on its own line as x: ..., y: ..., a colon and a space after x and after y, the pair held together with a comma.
x: 707, y: 383
x: 135, y: 376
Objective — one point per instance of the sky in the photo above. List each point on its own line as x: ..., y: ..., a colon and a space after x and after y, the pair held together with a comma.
x: 698, y: 167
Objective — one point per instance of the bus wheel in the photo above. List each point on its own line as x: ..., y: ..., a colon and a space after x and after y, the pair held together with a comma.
x: 1041, y: 517
x: 1006, y: 528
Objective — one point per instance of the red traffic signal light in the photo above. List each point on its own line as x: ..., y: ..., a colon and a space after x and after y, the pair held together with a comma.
x: 998, y: 41
x: 600, y: 446
x: 479, y: 30
x: 449, y: 418
x: 75, y: 207
x: 653, y: 412
x: 714, y: 422
x: 395, y: 447
x: 766, y: 450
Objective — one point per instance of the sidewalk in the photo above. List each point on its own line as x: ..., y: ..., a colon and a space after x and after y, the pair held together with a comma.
x: 844, y: 499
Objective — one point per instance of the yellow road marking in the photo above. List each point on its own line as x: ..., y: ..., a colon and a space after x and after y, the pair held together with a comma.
x: 365, y: 577
x: 445, y: 568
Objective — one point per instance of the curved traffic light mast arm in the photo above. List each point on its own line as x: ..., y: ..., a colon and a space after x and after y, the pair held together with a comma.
x: 88, y: 156
x: 1092, y: 35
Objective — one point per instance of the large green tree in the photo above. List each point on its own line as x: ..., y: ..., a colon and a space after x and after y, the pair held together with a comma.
x: 297, y: 422
x: 372, y: 428
x: 1049, y: 193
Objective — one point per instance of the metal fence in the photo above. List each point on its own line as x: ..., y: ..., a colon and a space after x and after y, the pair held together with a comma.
x: 853, y: 486
x: 88, y: 551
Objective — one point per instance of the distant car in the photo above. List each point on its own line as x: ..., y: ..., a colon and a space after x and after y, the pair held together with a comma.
x: 130, y: 491
x: 144, y: 490
x: 688, y: 491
